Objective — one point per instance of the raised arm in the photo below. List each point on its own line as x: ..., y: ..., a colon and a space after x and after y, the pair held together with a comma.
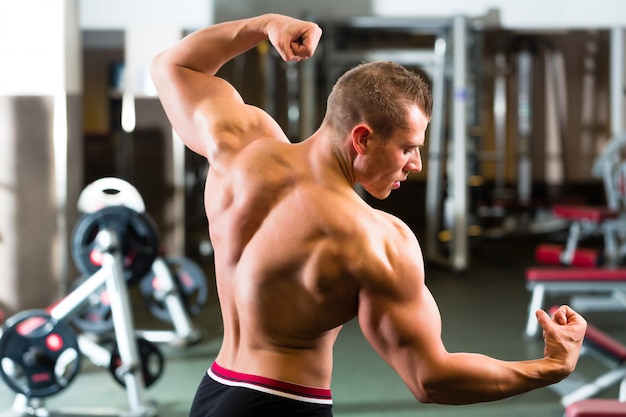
x: 399, y: 317
x: 208, y: 113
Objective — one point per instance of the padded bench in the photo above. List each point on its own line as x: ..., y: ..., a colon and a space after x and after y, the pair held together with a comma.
x: 584, y: 213
x: 596, y: 407
x: 541, y: 281
x: 584, y: 221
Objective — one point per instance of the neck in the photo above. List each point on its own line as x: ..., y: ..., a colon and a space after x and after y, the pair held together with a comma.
x: 334, y: 155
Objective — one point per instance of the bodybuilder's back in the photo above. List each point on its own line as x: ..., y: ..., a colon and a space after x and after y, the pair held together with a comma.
x: 286, y: 246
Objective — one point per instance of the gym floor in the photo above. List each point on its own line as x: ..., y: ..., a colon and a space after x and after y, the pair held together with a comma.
x: 483, y: 310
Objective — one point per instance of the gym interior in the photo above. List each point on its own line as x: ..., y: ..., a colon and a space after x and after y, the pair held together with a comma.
x: 103, y: 237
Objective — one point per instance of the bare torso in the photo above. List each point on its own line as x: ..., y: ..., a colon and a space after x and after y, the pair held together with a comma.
x: 286, y: 243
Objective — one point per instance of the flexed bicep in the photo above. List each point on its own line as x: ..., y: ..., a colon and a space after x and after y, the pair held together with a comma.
x: 403, y: 324
x: 400, y: 318
x: 397, y: 313
x: 181, y: 91
x: 209, y: 114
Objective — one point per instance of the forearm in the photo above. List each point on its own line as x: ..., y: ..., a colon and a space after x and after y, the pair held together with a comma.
x: 471, y: 378
x: 207, y: 49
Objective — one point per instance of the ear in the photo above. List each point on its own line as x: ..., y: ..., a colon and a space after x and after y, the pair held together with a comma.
x: 360, y: 136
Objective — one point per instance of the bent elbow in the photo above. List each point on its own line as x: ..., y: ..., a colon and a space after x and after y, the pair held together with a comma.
x: 432, y: 391
x: 422, y: 390
x: 425, y: 395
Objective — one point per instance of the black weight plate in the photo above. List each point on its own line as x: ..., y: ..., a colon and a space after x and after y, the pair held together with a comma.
x: 191, y: 283
x: 150, y: 357
x: 137, y: 234
x: 39, y: 356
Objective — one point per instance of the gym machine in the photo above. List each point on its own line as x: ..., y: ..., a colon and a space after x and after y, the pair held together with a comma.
x: 115, y: 246
x: 610, y: 166
x: 174, y: 287
x: 585, y: 221
x: 512, y: 209
x: 40, y: 353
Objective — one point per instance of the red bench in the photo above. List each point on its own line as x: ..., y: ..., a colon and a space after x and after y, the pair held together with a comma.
x: 610, y: 347
x: 553, y: 254
x: 584, y: 221
x: 586, y: 213
x: 596, y: 407
x: 542, y: 281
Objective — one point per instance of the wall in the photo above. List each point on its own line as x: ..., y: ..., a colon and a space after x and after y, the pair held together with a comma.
x: 514, y: 14
x: 121, y: 14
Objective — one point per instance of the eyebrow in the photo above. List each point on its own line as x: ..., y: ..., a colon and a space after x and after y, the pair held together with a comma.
x: 415, y: 145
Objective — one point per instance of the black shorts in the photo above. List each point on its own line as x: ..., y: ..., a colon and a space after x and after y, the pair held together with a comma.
x: 224, y: 393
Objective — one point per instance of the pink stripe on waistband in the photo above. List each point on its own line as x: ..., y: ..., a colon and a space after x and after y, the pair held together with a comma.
x: 272, y: 386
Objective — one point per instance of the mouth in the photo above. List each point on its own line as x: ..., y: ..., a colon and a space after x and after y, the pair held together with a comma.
x: 396, y: 185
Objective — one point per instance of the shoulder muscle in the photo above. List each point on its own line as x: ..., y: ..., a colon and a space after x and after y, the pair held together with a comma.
x: 209, y: 115
x: 229, y: 127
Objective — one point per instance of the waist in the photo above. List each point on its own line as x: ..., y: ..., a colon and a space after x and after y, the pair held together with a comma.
x: 270, y: 386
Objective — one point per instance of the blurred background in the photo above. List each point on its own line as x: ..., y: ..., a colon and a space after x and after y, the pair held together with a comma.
x: 528, y: 97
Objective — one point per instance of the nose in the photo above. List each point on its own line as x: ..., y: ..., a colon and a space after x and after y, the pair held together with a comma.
x: 415, y: 162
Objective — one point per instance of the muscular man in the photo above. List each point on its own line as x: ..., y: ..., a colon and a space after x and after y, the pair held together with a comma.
x: 298, y: 253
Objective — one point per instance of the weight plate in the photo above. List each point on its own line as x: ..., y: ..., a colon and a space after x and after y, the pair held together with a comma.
x: 136, y: 232
x: 191, y: 283
x: 150, y: 357
x: 39, y: 356
x: 110, y: 191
